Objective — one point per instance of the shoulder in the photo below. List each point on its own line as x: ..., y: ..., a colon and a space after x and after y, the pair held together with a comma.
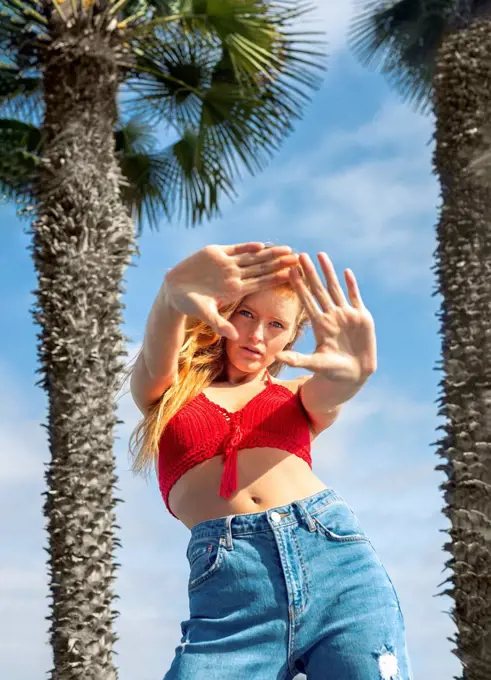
x: 292, y: 385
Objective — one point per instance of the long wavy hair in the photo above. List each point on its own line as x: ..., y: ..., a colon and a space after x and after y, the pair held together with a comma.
x: 201, y: 361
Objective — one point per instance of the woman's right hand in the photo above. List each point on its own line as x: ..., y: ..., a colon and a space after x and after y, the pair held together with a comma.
x: 218, y: 275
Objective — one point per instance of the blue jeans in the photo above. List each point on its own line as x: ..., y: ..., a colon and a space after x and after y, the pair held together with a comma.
x: 296, y: 588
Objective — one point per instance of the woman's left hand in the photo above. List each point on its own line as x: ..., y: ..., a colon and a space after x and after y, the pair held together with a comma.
x: 346, y: 348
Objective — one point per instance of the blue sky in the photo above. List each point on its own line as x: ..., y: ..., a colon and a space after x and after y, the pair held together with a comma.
x: 355, y: 180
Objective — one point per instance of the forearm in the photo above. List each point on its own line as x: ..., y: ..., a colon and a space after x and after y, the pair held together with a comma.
x: 327, y: 397
x: 164, y: 336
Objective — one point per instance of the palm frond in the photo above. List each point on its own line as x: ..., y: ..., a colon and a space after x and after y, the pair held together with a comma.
x: 230, y: 76
x: 25, y: 11
x: 140, y: 190
x: 181, y: 179
x: 133, y: 137
x: 20, y: 146
x: 231, y: 81
x: 245, y: 128
x: 169, y: 78
x: 15, y: 133
x: 249, y: 29
x: 23, y: 32
x: 247, y: 115
x: 20, y: 95
x: 401, y: 38
x: 165, y: 7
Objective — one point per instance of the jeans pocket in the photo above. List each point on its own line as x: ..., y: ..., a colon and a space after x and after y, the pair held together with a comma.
x: 205, y: 557
x: 339, y: 523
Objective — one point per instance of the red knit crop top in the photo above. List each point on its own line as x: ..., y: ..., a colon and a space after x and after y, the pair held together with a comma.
x: 202, y: 429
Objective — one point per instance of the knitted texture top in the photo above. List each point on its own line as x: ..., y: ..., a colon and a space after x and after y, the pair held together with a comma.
x: 202, y: 429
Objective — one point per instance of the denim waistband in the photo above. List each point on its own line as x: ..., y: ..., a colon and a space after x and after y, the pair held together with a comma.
x: 267, y: 520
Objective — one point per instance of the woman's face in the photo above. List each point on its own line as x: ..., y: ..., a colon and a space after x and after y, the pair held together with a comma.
x: 265, y: 322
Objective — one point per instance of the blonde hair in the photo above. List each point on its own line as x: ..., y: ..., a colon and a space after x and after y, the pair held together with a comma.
x: 201, y: 361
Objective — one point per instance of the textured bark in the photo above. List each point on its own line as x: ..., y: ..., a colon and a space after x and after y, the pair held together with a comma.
x: 83, y: 240
x: 462, y: 101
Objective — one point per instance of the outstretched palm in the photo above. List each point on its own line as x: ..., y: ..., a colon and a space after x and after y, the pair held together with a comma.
x: 344, y: 331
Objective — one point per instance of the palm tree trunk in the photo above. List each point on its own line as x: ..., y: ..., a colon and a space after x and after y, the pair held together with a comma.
x: 82, y: 241
x: 462, y: 101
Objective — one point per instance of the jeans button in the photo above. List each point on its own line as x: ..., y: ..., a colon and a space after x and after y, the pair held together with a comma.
x: 275, y: 516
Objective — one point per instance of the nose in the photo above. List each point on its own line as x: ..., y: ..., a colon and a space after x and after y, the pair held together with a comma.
x: 256, y: 333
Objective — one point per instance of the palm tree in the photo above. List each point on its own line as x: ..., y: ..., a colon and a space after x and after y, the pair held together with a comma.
x: 436, y: 52
x: 229, y: 77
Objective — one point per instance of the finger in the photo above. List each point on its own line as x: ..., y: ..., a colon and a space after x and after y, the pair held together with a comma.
x: 240, y: 248
x: 353, y: 290
x: 316, y: 286
x: 298, y: 360
x: 333, y: 285
x: 218, y: 323
x: 266, y: 281
x: 264, y: 255
x: 265, y: 268
x: 223, y: 327
x: 304, y: 294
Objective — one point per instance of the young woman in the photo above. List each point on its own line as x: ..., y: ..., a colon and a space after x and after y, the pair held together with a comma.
x: 283, y: 579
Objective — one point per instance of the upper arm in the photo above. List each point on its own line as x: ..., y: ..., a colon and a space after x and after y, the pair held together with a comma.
x: 145, y: 389
x: 319, y: 421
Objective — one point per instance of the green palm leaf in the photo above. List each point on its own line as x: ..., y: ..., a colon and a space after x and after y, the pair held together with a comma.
x: 401, y: 40
x: 169, y: 79
x: 236, y: 99
x: 20, y: 95
x: 20, y: 144
x: 173, y: 180
x: 228, y: 77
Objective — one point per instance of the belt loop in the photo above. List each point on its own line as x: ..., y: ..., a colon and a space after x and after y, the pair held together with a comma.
x: 306, y: 515
x: 228, y: 532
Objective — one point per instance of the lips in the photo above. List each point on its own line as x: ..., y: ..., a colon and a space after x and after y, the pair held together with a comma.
x: 253, y: 349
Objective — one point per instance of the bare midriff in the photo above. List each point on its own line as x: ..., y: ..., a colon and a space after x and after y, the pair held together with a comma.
x: 267, y: 477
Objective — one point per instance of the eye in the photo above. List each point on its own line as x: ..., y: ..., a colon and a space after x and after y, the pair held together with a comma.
x: 246, y: 311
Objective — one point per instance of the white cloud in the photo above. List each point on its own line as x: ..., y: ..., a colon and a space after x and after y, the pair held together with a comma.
x: 21, y: 437
x: 377, y: 213
x: 332, y: 17
x: 393, y: 128
x: 394, y: 133
x: 23, y: 592
x: 336, y: 16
